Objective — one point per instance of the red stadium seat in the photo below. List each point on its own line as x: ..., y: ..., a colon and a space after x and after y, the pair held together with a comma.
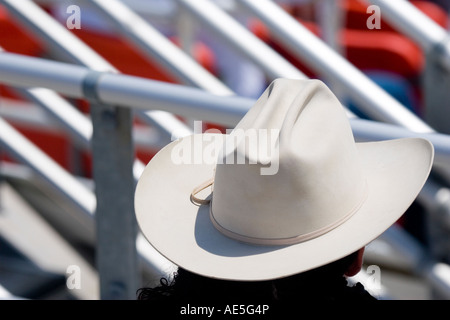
x: 381, y: 50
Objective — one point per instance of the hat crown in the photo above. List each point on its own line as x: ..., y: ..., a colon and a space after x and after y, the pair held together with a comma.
x: 309, y: 180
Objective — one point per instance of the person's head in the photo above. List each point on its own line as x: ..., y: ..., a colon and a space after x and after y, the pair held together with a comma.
x: 287, y: 191
x: 325, y: 282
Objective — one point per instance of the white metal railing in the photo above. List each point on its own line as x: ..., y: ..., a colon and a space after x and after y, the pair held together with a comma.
x: 67, y: 46
x: 118, y: 217
x: 76, y: 193
x: 435, y: 43
x: 145, y: 94
x: 26, y: 152
x: 158, y: 48
x: 404, y: 16
x: 302, y: 43
x: 34, y: 115
x: 239, y: 38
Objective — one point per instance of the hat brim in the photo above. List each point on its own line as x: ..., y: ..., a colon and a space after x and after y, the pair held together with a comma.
x: 180, y: 230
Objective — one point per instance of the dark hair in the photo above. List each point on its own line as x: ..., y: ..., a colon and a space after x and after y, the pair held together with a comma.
x: 323, y: 283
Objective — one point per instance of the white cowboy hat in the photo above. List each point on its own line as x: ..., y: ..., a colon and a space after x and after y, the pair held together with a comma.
x: 291, y: 189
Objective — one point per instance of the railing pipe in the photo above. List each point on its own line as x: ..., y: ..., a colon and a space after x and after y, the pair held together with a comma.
x: 368, y: 130
x: 70, y: 119
x: 412, y: 22
x: 435, y: 43
x: 242, y: 40
x: 23, y: 150
x: 66, y: 45
x: 145, y: 94
x: 76, y: 193
x: 78, y: 125
x: 157, y: 47
x: 422, y: 263
x: 378, y: 104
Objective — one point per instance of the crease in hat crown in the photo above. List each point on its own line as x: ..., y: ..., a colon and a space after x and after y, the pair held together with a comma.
x: 319, y: 183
